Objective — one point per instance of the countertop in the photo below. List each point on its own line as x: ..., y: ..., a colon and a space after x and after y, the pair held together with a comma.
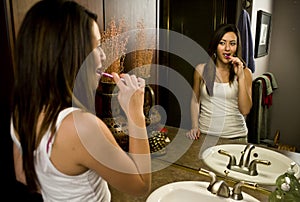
x: 181, y: 162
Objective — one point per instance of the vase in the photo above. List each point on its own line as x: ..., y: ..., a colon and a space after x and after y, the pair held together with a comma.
x: 109, y: 111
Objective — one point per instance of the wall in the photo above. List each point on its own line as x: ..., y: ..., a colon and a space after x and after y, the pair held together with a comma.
x: 7, y: 174
x: 284, y: 51
x: 262, y: 63
x: 284, y: 63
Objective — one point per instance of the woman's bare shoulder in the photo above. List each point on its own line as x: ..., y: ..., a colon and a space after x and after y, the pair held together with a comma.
x: 199, y: 69
x: 89, y: 128
x: 200, y: 66
x: 248, y: 73
x: 69, y: 151
x: 83, y: 122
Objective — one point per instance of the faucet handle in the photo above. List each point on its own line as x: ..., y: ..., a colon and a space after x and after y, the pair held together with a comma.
x: 211, y: 174
x: 253, y: 168
x: 237, y: 189
x: 232, y: 159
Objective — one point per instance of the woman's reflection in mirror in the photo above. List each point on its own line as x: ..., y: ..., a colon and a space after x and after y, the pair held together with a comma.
x: 222, y: 89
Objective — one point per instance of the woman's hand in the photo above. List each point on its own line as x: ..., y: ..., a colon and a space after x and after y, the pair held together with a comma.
x: 131, y: 95
x: 193, y: 134
x: 238, y: 66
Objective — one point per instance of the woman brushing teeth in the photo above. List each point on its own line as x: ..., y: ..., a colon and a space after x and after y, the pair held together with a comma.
x: 223, y: 88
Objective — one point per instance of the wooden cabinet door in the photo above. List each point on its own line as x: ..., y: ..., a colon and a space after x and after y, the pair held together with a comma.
x: 95, y: 6
x: 20, y: 7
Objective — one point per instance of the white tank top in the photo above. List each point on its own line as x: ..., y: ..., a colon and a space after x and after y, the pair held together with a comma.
x: 57, y: 186
x: 219, y: 114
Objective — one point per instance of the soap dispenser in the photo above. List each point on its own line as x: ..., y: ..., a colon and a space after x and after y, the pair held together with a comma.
x: 287, y: 187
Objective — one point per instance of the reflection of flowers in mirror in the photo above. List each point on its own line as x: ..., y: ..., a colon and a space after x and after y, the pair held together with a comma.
x: 114, y: 41
x: 143, y: 54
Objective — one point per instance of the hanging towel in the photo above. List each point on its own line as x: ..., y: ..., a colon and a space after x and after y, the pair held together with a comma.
x: 209, y: 76
x: 267, y: 90
x: 272, y: 79
x: 244, y: 27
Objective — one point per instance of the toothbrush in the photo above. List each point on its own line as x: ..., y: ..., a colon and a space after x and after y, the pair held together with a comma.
x: 109, y: 75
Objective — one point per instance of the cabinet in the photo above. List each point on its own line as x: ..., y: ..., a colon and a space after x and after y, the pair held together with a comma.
x: 19, y: 8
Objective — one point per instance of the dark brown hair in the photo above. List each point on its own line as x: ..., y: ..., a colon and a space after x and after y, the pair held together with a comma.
x: 54, y: 39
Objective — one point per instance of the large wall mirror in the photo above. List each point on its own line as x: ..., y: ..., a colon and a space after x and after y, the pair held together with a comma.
x: 196, y: 19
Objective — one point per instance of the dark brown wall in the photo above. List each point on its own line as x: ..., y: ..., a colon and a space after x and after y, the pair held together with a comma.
x: 6, y: 79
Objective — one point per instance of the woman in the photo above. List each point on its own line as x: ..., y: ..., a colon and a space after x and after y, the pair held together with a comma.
x: 222, y: 89
x: 61, y: 149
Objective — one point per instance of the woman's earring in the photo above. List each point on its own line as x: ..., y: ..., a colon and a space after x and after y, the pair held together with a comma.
x: 215, y: 55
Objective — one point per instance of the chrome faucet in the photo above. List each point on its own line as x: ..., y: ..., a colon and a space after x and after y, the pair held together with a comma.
x: 221, y: 188
x: 244, y: 166
x: 245, y: 157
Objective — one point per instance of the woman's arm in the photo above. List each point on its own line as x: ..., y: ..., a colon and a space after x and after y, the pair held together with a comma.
x: 194, y: 133
x: 245, y: 91
x: 18, y: 164
x: 244, y: 76
x: 195, y: 100
x: 94, y: 147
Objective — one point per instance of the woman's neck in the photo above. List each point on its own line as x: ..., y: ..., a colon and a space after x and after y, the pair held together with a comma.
x: 220, y: 64
x: 222, y: 72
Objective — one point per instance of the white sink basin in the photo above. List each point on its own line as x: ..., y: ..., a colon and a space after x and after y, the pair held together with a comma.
x: 267, y: 174
x: 191, y: 191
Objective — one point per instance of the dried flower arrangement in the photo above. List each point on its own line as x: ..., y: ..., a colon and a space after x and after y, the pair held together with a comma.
x: 114, y: 40
x: 143, y: 55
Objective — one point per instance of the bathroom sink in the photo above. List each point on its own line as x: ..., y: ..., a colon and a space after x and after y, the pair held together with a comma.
x: 266, y: 173
x: 192, y: 191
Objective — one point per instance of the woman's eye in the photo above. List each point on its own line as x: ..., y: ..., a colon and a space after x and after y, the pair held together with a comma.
x: 222, y: 43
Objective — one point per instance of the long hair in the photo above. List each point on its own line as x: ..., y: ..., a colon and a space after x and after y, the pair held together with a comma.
x: 54, y: 39
x: 214, y: 42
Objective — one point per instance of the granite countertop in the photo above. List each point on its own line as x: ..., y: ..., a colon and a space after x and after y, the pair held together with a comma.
x: 182, y: 163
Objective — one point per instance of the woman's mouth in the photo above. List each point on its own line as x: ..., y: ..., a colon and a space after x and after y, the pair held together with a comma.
x: 227, y: 56
x: 99, y: 71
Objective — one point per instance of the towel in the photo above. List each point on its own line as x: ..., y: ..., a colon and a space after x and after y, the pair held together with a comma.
x: 272, y: 79
x: 244, y: 27
x: 209, y: 76
x: 267, y: 90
